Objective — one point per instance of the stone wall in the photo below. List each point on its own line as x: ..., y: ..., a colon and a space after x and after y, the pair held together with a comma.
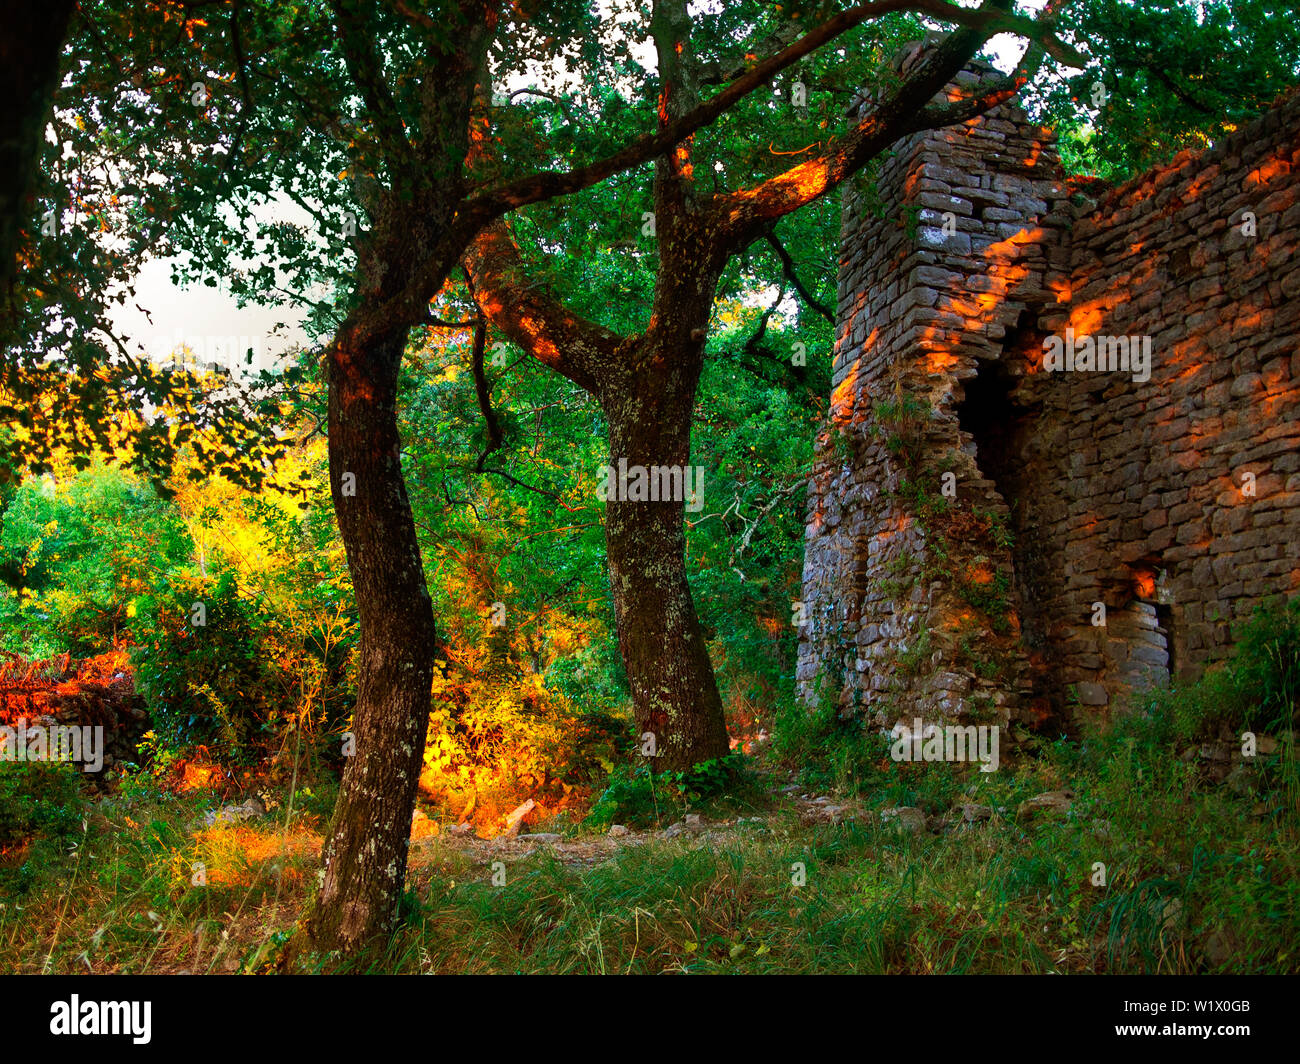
x: 975, y: 511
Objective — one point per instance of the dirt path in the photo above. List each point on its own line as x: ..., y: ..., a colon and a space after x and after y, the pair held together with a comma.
x: 590, y: 850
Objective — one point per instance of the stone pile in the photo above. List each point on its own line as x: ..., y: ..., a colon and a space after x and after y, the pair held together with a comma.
x: 93, y: 692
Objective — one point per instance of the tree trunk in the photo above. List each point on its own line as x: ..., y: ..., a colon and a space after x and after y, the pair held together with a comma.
x: 31, y: 41
x: 675, y: 696
x: 366, y: 852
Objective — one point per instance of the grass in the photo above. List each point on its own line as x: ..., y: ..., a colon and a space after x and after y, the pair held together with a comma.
x: 1155, y: 867
x: 1185, y: 864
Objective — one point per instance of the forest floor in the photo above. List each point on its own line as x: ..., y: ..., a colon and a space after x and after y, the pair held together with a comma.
x: 1052, y: 866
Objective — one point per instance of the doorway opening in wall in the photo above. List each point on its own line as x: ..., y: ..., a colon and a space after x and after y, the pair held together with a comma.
x: 1005, y: 429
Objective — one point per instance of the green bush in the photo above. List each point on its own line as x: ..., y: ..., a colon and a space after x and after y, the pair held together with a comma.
x: 829, y: 750
x: 74, y: 555
x: 206, y: 685
x: 1257, y: 688
x: 38, y: 798
x: 636, y: 796
x: 1267, y: 666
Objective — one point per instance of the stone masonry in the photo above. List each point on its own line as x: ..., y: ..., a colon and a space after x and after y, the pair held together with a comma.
x: 993, y: 538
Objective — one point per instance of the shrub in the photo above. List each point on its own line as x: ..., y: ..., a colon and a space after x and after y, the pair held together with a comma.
x: 73, y: 555
x: 636, y: 796
x: 829, y: 749
x: 206, y: 685
x: 1257, y: 688
x: 497, y: 739
x: 38, y: 798
x: 1267, y: 665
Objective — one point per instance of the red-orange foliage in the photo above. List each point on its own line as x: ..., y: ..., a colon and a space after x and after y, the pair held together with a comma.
x: 96, y: 691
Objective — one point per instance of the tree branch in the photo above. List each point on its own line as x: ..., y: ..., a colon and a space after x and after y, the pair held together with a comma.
x: 484, y: 207
x: 538, y: 323
x: 741, y: 217
x: 751, y: 345
x: 245, y: 111
x: 483, y: 393
x: 987, y: 95
x: 529, y: 487
x: 366, y: 70
x: 782, y: 37
x: 787, y: 264
x: 544, y: 185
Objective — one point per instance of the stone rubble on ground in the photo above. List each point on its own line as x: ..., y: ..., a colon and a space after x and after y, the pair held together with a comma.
x: 545, y: 838
x: 1049, y: 802
x: 234, y: 814
x: 973, y: 811
x: 907, y: 817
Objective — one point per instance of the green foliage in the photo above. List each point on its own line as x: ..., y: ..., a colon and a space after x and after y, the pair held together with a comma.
x: 924, y: 500
x: 206, y: 685
x: 989, y: 598
x: 1177, y: 73
x: 999, y: 532
x: 38, y: 798
x: 746, y: 552
x: 1266, y: 665
x: 829, y: 749
x: 637, y: 796
x: 526, y: 530
x: 97, y: 559
x: 905, y: 416
x: 914, y: 658
x: 629, y: 797
x: 1257, y: 688
x: 984, y: 665
x: 532, y: 706
x: 74, y: 556
x: 530, y: 539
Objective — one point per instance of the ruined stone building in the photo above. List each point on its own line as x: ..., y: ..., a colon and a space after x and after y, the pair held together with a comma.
x: 977, y: 509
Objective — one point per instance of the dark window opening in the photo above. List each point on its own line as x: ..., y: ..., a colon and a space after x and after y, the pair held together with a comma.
x: 1152, y: 644
x: 997, y: 425
x: 1165, y: 623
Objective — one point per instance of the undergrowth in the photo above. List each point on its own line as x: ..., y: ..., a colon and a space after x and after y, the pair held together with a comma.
x: 1155, y: 867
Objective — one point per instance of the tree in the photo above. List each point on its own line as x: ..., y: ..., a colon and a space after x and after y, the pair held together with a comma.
x: 237, y: 102
x: 1166, y: 75
x: 81, y: 215
x: 421, y: 223
x: 646, y: 383
x: 31, y: 38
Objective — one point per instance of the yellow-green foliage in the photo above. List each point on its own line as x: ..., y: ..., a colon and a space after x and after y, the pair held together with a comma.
x: 495, y: 742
